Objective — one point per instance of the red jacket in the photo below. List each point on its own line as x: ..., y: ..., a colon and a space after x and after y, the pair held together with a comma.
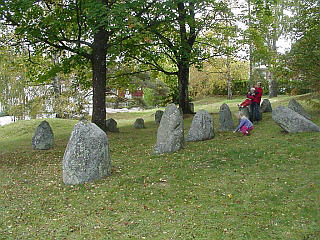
x: 250, y: 96
x: 257, y: 97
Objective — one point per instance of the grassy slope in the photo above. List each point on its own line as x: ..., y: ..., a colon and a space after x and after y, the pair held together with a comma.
x: 265, y: 186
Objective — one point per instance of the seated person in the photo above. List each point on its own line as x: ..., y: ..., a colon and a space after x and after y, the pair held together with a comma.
x: 248, y: 100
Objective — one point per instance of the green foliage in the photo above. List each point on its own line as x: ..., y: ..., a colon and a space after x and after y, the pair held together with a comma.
x: 156, y: 95
x: 177, y: 34
x: 267, y: 22
x: 302, y: 63
x: 3, y: 114
x: 149, y: 97
x: 212, y: 78
x: 70, y: 104
x: 12, y: 82
x: 23, y: 92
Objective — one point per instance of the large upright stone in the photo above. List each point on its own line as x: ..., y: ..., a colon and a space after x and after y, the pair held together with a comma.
x: 225, y: 118
x: 111, y: 125
x: 170, y: 135
x: 201, y: 127
x: 266, y: 106
x: 43, y: 137
x: 87, y: 155
x: 158, y: 116
x: 245, y: 111
x: 139, y: 123
x: 293, y: 122
x: 296, y: 106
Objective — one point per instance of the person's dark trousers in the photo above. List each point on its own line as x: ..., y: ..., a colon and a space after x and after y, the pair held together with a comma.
x: 254, y: 109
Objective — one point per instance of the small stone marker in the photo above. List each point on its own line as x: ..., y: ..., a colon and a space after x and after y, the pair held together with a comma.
x: 43, y: 137
x: 266, y: 106
x: 87, y: 156
x: 293, y: 122
x: 296, y: 106
x: 170, y: 135
x: 139, y: 123
x: 201, y: 127
x: 111, y: 125
x: 225, y: 118
x: 158, y: 116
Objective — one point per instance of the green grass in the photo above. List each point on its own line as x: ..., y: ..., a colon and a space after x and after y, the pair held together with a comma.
x: 265, y: 186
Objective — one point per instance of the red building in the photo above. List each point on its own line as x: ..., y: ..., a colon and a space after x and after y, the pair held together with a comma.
x: 131, y: 94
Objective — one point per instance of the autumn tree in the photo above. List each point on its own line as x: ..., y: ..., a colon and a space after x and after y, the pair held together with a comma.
x: 303, y: 61
x: 86, y: 30
x: 178, y: 34
x: 266, y: 23
x: 12, y: 83
x: 216, y: 76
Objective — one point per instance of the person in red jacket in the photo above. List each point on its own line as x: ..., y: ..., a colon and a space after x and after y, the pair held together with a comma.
x: 248, y: 100
x: 254, y: 107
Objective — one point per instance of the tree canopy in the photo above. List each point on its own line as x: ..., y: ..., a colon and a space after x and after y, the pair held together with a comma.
x: 178, y: 34
x: 80, y: 31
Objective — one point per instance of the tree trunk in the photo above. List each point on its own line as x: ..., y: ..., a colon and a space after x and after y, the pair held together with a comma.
x: 273, y: 86
x: 250, y: 83
x: 56, y: 91
x: 98, y: 61
x: 183, y: 80
x: 229, y: 79
x: 56, y: 84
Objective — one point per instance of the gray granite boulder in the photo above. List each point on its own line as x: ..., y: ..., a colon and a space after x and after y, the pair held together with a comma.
x: 87, y: 156
x: 245, y: 111
x: 266, y: 106
x: 170, y: 135
x: 139, y: 123
x: 296, y: 106
x: 293, y: 122
x: 111, y: 125
x: 225, y: 118
x: 43, y: 137
x: 201, y: 127
x: 158, y: 116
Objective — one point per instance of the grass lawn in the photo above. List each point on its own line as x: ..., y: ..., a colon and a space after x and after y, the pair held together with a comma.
x: 263, y: 186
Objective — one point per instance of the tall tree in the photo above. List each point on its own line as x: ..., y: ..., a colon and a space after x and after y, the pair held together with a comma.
x: 84, y: 29
x: 303, y: 61
x: 178, y: 34
x: 267, y: 23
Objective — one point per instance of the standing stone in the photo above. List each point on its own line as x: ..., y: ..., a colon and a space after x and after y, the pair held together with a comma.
x: 201, y: 127
x: 245, y: 111
x: 225, y: 118
x: 43, y: 137
x: 139, y: 123
x: 170, y: 135
x: 293, y: 122
x: 295, y: 106
x: 158, y: 116
x: 266, y: 106
x: 87, y: 155
x: 111, y: 125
